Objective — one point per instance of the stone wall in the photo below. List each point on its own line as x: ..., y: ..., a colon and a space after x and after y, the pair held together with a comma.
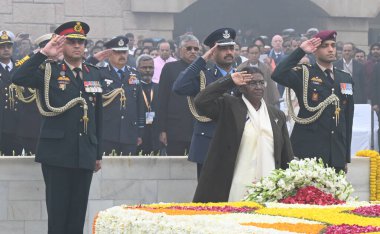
x: 122, y: 180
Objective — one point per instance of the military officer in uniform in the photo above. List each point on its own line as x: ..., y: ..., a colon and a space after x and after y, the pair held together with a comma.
x: 323, y: 128
x: 124, y: 116
x: 9, y: 117
x: 69, y: 148
x: 195, y: 77
x: 28, y: 131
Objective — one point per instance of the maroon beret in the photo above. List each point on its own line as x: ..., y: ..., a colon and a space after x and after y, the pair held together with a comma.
x: 327, y: 35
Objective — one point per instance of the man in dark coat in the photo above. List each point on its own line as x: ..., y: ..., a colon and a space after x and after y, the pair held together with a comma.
x: 239, y: 140
x: 150, y: 138
x: 69, y: 144
x: 9, y: 106
x: 327, y: 136
x: 355, y: 69
x: 175, y: 119
x: 190, y: 80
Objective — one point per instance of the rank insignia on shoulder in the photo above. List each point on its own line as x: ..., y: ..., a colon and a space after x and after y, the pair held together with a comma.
x: 42, y: 66
x: 297, y: 68
x: 21, y: 61
x: 91, y: 65
x: 316, y: 79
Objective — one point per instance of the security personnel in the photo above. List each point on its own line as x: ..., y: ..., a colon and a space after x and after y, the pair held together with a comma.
x: 9, y: 117
x: 69, y: 144
x: 124, y: 117
x: 324, y: 131
x: 28, y: 131
x: 193, y: 78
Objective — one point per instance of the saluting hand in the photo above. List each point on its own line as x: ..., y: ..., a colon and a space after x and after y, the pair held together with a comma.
x: 210, y: 53
x: 104, y: 54
x: 311, y: 45
x: 54, y: 47
x: 241, y: 78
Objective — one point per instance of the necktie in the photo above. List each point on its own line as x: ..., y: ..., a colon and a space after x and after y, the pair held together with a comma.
x: 328, y: 73
x: 77, y: 71
x: 120, y: 73
x: 7, y: 68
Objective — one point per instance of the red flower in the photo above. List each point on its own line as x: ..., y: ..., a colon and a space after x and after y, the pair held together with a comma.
x: 312, y: 196
x: 348, y: 229
x: 373, y: 211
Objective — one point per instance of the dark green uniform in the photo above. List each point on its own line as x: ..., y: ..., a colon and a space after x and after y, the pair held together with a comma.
x: 66, y: 151
x: 322, y: 138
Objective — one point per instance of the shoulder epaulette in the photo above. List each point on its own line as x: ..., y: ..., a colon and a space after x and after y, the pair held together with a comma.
x: 298, y: 67
x: 91, y: 65
x: 340, y: 70
x: 131, y: 68
x: 21, y: 61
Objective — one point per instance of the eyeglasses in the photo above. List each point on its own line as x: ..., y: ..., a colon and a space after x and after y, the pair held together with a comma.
x: 257, y: 83
x: 189, y: 48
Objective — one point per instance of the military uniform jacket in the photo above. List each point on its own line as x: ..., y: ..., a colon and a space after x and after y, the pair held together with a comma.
x: 322, y: 138
x: 8, y: 112
x: 62, y: 140
x: 123, y: 124
x: 30, y: 120
x: 188, y: 83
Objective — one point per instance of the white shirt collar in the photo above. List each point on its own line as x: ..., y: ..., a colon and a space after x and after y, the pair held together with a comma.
x: 10, y: 65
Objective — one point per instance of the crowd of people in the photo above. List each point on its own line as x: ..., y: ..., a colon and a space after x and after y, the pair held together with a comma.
x: 70, y: 100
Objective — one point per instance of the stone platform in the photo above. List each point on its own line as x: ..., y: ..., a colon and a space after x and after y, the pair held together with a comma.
x: 122, y: 180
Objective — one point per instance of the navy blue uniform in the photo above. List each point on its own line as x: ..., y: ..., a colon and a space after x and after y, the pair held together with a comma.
x: 188, y: 84
x: 322, y: 138
x: 9, y: 115
x: 123, y: 125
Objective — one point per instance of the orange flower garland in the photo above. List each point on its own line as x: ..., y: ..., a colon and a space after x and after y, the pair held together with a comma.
x: 291, y: 227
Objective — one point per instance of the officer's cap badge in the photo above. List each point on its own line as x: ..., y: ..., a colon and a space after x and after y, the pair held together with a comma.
x: 78, y: 27
x: 121, y: 42
x: 226, y: 34
x: 4, y: 35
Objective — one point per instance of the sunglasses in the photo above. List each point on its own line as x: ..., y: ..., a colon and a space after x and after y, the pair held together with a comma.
x: 189, y: 48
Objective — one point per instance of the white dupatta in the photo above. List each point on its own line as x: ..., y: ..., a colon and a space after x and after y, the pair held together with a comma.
x: 255, y: 157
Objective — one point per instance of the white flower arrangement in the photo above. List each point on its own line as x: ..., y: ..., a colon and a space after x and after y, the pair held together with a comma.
x: 300, y: 173
x: 121, y: 220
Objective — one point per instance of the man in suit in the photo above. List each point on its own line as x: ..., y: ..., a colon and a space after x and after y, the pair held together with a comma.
x: 69, y: 148
x: 150, y: 138
x: 175, y: 119
x: 355, y: 69
x: 9, y: 106
x: 271, y: 96
x: 324, y: 132
x: 277, y: 54
x: 123, y: 120
x: 189, y: 83
x: 251, y: 138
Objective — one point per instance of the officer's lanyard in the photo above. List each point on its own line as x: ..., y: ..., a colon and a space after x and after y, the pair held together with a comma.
x: 148, y: 105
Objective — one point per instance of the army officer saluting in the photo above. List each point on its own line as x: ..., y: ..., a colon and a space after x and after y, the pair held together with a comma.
x: 68, y: 147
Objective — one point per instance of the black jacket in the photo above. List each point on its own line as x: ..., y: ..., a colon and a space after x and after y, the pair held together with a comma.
x: 173, y: 111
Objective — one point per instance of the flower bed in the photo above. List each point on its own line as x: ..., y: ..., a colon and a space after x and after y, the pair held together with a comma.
x: 241, y: 217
